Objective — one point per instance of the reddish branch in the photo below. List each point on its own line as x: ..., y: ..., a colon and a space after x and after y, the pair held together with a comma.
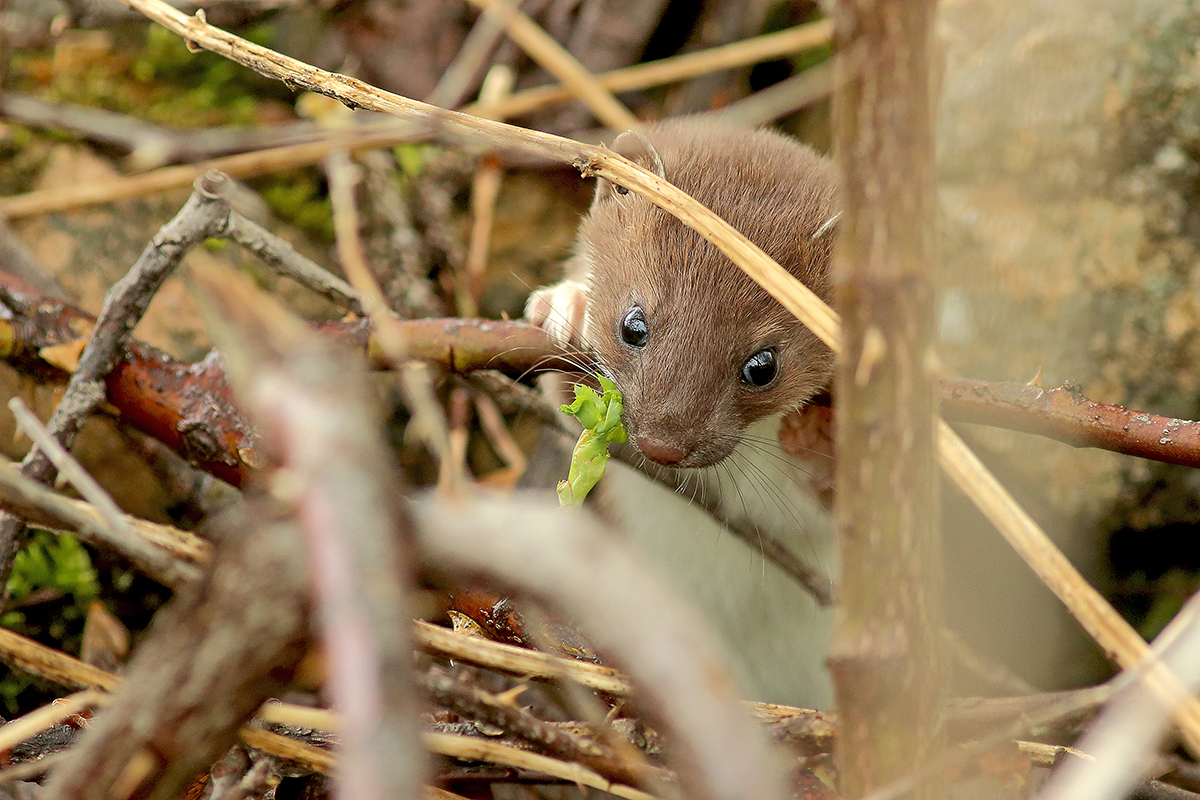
x: 189, y: 408
x: 1064, y: 414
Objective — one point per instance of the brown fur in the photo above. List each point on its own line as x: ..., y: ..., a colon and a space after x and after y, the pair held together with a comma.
x: 705, y: 317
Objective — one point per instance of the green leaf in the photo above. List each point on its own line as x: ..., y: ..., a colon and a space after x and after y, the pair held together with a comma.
x: 600, y: 415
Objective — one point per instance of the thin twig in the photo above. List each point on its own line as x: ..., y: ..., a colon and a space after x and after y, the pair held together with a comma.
x: 150, y: 145
x: 469, y: 748
x: 46, y: 201
x: 25, y: 654
x: 124, y: 306
x: 166, y: 554
x: 485, y: 188
x: 415, y: 383
x: 783, y: 98
x: 1066, y: 415
x: 471, y: 701
x: 284, y: 260
x: 677, y: 68
x: 463, y: 73
x: 115, y: 523
x: 498, y: 434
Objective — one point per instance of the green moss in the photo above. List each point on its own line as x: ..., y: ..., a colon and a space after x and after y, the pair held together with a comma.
x: 410, y: 158
x: 60, y: 564
x: 151, y: 75
x: 52, y: 561
x: 298, y: 197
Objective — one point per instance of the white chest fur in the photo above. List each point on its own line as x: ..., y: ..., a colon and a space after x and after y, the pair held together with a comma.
x: 778, y: 636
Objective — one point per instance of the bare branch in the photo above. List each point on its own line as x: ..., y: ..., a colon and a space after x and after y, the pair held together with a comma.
x: 312, y: 404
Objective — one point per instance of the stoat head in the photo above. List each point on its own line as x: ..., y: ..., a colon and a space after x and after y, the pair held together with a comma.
x: 698, y: 349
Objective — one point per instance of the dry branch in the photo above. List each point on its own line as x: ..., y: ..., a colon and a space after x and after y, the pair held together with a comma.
x: 210, y: 660
x: 313, y: 408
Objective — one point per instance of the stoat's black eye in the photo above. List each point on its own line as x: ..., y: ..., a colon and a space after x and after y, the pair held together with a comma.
x: 620, y: 189
x: 760, y: 369
x: 633, y: 328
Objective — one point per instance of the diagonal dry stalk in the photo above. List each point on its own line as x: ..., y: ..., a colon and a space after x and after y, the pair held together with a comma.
x: 1097, y: 617
x: 389, y: 133
x: 555, y: 59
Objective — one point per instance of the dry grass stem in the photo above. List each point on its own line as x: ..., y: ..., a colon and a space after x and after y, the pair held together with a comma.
x: 501, y: 439
x: 160, y: 180
x: 319, y: 719
x: 35, y: 658
x: 472, y: 749
x: 678, y: 68
x: 38, y: 720
x: 518, y: 661
x: 1108, y: 628
x: 391, y: 133
x: 555, y: 59
x: 485, y: 188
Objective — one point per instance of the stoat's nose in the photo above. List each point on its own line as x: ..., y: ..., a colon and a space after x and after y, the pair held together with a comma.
x: 659, y: 451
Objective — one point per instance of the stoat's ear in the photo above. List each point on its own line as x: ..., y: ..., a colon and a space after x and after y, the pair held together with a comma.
x: 637, y: 148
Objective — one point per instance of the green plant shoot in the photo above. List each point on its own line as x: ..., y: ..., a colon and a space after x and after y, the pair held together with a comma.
x: 600, y: 415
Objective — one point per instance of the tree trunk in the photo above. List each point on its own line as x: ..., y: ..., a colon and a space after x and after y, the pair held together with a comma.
x: 884, y: 659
